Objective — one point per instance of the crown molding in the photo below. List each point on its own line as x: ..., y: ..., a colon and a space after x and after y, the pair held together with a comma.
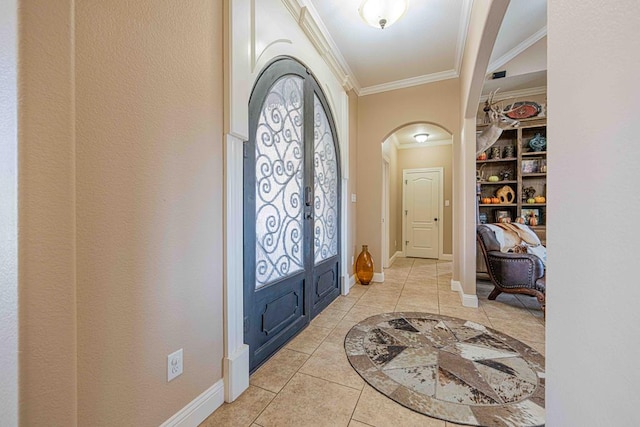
x: 413, y: 81
x: 311, y: 24
x: 313, y: 31
x: 526, y: 44
x: 463, y: 29
x: 523, y: 93
x: 427, y: 144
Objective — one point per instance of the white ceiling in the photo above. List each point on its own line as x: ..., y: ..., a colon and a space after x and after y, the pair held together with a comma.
x: 423, y: 46
x: 437, y: 135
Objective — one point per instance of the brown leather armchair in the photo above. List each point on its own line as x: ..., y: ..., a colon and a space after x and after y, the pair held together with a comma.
x: 514, y: 273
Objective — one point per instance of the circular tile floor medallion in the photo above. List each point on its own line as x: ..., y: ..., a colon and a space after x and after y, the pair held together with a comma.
x: 450, y: 368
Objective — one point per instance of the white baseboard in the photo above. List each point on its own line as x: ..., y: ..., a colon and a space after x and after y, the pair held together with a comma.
x: 393, y: 258
x: 469, y: 300
x: 199, y: 408
x: 378, y: 277
x: 348, y: 282
x: 466, y: 299
x: 446, y: 257
x: 236, y: 373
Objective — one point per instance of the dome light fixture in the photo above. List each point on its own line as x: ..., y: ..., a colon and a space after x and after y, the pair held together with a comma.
x: 421, y: 137
x: 382, y: 13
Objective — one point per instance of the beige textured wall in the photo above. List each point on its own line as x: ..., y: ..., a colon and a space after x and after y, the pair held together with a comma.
x: 353, y: 154
x: 9, y: 213
x: 593, y: 151
x: 46, y: 215
x: 149, y: 123
x: 141, y: 183
x: 431, y: 157
x: 378, y: 116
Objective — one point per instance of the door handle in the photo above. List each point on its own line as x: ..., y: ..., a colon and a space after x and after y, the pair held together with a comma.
x: 307, y: 196
x: 309, y: 215
x: 435, y: 219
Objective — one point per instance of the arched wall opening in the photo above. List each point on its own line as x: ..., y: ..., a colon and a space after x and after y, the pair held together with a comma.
x: 401, y: 152
x: 379, y: 116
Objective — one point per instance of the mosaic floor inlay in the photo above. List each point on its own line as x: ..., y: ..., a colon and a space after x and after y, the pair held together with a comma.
x: 450, y: 368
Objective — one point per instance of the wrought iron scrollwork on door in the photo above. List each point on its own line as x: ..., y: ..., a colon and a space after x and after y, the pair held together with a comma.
x: 325, y: 230
x: 279, y: 182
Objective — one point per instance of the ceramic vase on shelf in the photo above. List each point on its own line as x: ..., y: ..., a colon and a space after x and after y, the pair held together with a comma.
x: 364, y: 266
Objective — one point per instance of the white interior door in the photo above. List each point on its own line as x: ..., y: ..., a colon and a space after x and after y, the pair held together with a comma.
x: 422, y: 213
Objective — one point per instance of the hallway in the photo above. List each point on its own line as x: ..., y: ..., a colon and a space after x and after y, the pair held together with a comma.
x: 310, y: 382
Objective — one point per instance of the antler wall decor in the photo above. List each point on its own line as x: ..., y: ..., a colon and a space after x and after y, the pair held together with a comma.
x: 496, y: 117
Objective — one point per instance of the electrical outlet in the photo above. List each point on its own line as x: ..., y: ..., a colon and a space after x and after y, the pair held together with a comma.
x: 174, y: 365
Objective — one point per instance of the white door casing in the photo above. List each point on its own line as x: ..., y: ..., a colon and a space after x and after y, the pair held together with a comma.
x: 422, y: 212
x: 386, y: 255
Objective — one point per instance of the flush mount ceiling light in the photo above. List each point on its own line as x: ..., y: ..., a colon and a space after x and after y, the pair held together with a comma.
x: 382, y: 13
x: 421, y: 137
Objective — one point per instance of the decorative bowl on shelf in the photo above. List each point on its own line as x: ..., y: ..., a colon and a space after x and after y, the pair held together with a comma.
x: 538, y: 143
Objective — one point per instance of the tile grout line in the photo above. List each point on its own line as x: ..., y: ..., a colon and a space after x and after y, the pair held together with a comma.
x: 329, y: 381
x: 253, y: 421
x: 356, y: 405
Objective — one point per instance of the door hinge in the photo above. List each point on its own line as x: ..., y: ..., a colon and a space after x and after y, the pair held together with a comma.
x: 245, y: 325
x: 245, y: 150
x: 406, y: 181
x: 406, y: 243
x: 406, y: 212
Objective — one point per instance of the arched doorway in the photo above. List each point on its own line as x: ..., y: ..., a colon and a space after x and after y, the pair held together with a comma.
x: 291, y: 208
x: 417, y: 191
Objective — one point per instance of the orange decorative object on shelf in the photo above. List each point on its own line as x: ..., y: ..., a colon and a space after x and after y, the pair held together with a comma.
x: 364, y: 266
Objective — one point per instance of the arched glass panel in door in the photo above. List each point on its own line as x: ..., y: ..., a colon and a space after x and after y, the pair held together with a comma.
x: 325, y: 180
x: 279, y: 182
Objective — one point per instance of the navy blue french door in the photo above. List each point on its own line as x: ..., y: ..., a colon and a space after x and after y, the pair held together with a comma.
x: 291, y: 208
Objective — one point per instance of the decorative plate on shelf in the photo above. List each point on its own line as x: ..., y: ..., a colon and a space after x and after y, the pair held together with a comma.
x: 523, y: 110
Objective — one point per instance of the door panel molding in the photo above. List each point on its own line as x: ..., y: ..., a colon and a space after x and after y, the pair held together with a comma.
x: 275, y: 314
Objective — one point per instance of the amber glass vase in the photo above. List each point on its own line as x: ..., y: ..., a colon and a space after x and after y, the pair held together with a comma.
x: 364, y: 266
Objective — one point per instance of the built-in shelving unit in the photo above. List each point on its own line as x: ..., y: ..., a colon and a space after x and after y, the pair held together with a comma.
x: 525, y: 171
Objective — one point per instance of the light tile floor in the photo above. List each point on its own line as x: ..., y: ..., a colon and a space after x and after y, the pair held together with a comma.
x: 310, y: 382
